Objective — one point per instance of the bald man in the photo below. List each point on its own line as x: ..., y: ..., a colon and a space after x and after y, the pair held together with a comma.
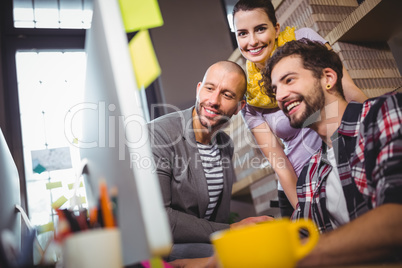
x: 194, y: 160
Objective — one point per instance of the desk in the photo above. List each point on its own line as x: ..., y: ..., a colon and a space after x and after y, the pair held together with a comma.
x: 384, y: 265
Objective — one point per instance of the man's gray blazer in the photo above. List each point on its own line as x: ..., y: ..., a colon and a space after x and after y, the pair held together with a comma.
x: 182, y: 178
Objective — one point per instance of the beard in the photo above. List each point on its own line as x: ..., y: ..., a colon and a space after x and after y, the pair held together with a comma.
x: 314, y: 102
x: 208, y: 124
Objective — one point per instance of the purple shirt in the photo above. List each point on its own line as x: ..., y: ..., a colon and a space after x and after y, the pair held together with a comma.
x: 300, y: 144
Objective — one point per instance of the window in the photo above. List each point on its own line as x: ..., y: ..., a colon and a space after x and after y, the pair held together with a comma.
x: 43, y: 74
x: 50, y: 83
x: 62, y: 14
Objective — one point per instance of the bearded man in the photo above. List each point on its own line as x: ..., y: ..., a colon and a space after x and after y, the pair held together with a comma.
x: 193, y: 159
x: 352, y: 187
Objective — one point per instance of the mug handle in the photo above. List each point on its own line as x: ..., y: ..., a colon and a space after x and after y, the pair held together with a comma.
x: 303, y: 249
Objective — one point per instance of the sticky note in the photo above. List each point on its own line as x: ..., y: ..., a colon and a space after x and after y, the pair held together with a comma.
x: 77, y: 200
x: 71, y: 185
x: 51, y: 185
x: 140, y: 14
x: 45, y: 228
x: 145, y: 64
x: 59, y: 202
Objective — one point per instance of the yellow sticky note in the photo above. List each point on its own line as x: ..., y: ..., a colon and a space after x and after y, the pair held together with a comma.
x: 145, y: 63
x: 140, y: 14
x: 45, y: 228
x: 51, y: 185
x: 79, y: 200
x: 59, y: 202
x: 71, y: 185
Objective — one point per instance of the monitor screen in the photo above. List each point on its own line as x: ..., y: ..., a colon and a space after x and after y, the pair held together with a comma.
x: 115, y: 144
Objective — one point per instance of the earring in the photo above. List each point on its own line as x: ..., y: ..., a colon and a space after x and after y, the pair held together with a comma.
x: 328, y: 86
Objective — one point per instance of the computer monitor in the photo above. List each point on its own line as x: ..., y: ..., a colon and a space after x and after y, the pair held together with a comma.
x: 10, y: 220
x: 115, y: 144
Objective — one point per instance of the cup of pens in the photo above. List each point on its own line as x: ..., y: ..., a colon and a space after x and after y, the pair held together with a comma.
x: 94, y: 241
x: 93, y: 249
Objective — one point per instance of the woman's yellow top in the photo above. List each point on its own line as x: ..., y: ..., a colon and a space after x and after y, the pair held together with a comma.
x: 255, y: 95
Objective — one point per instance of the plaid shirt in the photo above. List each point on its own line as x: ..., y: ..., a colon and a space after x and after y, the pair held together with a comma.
x: 368, y: 151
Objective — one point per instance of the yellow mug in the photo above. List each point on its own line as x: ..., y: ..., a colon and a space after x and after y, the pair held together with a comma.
x: 272, y: 244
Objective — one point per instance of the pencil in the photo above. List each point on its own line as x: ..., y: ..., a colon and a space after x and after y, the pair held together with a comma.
x: 106, y: 206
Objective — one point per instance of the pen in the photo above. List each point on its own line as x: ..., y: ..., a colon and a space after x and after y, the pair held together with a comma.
x: 113, y: 199
x: 106, y: 209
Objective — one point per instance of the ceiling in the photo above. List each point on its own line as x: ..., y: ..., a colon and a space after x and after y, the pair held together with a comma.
x: 63, y: 14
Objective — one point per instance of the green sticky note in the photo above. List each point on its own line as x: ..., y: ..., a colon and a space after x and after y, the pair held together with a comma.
x: 71, y: 185
x: 59, y: 202
x: 145, y: 63
x: 51, y: 185
x: 140, y: 14
x: 45, y: 228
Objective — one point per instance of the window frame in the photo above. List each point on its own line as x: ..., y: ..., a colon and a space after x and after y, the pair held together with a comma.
x: 13, y: 40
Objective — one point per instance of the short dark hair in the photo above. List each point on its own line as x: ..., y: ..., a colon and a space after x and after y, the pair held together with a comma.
x: 315, y: 57
x: 247, y: 5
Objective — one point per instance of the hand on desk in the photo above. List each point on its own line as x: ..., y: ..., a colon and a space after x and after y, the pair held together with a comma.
x: 250, y: 221
x: 209, y: 262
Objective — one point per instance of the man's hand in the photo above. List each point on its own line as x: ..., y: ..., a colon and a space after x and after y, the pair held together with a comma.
x: 212, y: 262
x: 209, y: 262
x: 250, y: 221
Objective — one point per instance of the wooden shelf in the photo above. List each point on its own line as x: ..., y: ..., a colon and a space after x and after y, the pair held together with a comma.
x: 372, y: 21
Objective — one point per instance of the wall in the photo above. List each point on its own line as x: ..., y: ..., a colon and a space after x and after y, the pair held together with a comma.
x: 395, y: 43
x: 195, y: 34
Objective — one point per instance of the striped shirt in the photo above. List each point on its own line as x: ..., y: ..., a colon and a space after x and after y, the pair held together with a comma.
x: 368, y: 152
x: 212, y: 164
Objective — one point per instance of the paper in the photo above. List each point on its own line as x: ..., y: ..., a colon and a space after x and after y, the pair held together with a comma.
x: 77, y: 200
x: 71, y: 185
x: 52, y: 185
x: 59, y: 202
x: 145, y: 63
x: 51, y: 159
x: 45, y: 228
x: 140, y: 14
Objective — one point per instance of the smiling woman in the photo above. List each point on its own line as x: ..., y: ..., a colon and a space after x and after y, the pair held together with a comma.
x: 258, y: 35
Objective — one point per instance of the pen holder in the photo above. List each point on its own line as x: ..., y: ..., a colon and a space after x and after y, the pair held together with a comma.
x: 93, y: 249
